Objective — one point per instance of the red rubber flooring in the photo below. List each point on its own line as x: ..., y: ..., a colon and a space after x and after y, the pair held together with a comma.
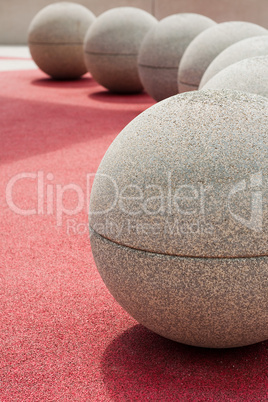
x: 62, y: 335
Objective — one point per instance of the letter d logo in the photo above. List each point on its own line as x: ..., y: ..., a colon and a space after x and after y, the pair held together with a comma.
x: 255, y: 222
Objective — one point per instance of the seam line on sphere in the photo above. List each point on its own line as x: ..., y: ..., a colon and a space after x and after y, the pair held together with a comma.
x: 158, y: 67
x: 112, y: 54
x: 179, y: 255
x: 189, y: 85
x: 56, y: 43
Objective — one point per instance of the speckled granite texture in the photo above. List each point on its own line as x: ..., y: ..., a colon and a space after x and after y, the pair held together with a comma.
x: 162, y: 49
x: 250, y: 47
x: 208, y: 45
x: 249, y: 75
x: 55, y: 39
x: 178, y: 218
x: 202, y: 302
x: 111, y: 48
x: 174, y: 176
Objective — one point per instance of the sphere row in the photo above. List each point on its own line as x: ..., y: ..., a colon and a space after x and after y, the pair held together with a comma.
x: 127, y: 50
x: 186, y: 180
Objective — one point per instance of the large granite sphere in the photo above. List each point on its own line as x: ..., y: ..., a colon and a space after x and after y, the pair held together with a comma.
x: 208, y: 45
x: 249, y: 75
x: 55, y: 39
x: 162, y: 49
x: 250, y: 47
x: 179, y: 218
x: 111, y: 48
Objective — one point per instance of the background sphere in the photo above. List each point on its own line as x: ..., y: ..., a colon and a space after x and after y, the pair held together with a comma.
x: 55, y: 39
x: 248, y: 75
x: 208, y: 45
x: 169, y: 218
x: 250, y: 47
x: 162, y: 49
x: 112, y: 45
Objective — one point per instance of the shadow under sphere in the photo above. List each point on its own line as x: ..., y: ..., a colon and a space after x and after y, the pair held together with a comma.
x: 141, y: 365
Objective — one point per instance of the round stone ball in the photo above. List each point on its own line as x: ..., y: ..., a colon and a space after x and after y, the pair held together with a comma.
x: 244, y: 49
x: 207, y: 46
x: 162, y: 49
x: 179, y: 218
x: 111, y: 48
x: 249, y: 75
x: 56, y: 36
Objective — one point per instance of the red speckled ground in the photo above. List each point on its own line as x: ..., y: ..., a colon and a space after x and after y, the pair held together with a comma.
x: 62, y: 335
